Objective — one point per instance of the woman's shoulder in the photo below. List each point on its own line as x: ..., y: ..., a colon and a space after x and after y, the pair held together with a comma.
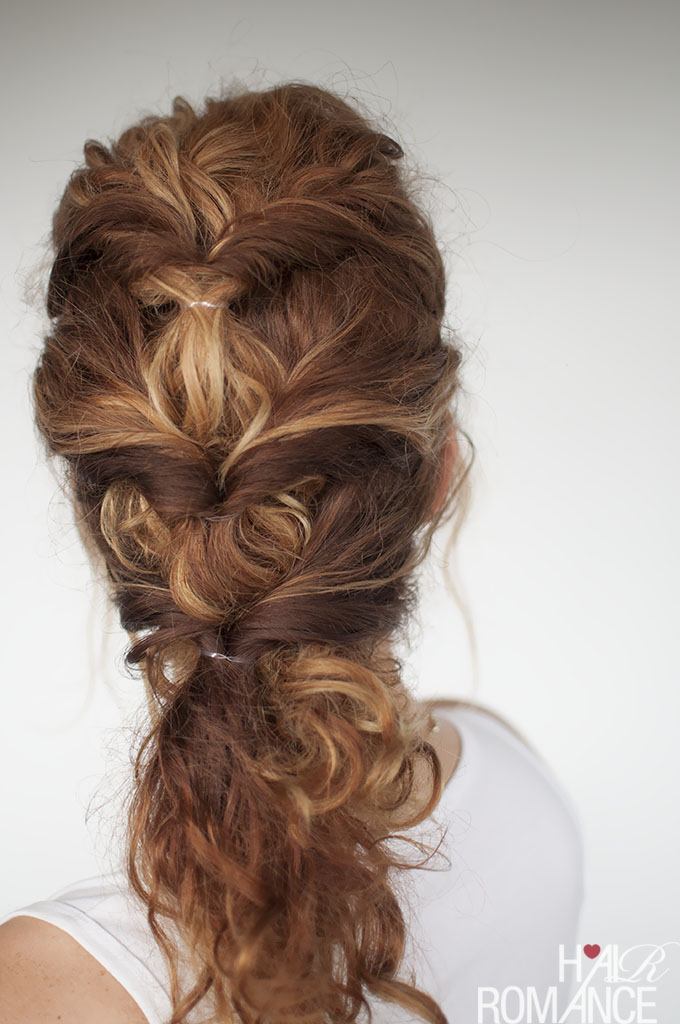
x: 47, y: 975
x: 494, y: 748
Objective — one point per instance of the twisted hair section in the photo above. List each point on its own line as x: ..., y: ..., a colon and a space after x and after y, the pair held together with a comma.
x: 247, y: 381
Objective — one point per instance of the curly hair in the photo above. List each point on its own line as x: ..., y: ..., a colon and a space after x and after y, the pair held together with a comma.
x: 246, y: 378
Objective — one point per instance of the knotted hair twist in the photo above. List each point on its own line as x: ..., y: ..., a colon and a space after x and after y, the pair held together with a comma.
x: 247, y: 380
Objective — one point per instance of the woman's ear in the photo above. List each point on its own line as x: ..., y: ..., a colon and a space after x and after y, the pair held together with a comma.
x: 448, y: 464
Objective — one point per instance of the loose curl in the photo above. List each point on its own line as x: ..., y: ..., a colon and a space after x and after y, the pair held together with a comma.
x: 247, y: 381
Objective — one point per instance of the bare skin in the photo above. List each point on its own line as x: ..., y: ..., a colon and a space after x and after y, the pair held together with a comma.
x: 46, y: 976
x: 447, y: 742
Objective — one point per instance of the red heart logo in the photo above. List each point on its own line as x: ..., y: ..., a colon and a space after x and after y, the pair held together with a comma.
x: 591, y: 951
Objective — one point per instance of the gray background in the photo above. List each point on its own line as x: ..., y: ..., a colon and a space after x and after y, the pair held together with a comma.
x: 550, y: 133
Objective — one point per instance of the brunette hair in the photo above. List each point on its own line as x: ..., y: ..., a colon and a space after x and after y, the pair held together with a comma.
x: 247, y: 378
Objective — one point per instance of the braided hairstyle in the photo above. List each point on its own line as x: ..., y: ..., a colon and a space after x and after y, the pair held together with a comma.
x: 246, y: 380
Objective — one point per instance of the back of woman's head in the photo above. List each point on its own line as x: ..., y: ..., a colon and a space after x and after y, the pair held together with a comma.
x: 246, y: 376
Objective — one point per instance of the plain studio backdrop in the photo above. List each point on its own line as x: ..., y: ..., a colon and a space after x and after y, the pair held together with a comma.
x: 549, y: 135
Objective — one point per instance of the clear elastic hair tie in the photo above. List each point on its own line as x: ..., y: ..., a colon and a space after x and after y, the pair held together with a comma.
x: 223, y: 657
x: 203, y: 302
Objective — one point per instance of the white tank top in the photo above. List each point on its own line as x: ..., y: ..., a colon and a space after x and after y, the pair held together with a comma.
x: 494, y: 915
